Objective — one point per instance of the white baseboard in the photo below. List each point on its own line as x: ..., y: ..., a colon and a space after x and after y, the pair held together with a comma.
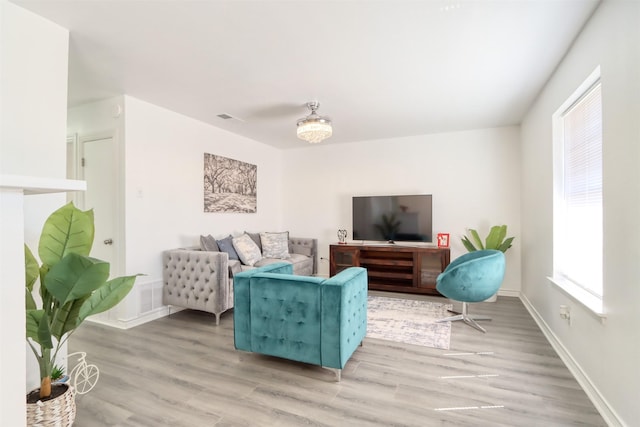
x: 508, y: 293
x: 139, y: 320
x: 598, y: 400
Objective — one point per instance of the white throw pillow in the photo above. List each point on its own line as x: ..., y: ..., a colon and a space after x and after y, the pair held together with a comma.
x: 247, y: 249
x: 275, y: 245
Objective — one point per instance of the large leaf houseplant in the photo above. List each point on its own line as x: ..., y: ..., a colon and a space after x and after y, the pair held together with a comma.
x: 496, y: 239
x: 73, y: 286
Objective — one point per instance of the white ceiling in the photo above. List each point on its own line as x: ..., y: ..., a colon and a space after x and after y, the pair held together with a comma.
x: 380, y: 69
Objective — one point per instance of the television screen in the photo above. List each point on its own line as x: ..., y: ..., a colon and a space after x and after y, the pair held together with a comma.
x: 392, y: 218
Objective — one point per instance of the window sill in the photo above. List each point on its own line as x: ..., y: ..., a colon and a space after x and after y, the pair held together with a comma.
x: 589, y: 301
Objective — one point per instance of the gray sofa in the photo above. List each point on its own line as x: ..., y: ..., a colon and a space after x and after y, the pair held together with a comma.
x: 203, y: 280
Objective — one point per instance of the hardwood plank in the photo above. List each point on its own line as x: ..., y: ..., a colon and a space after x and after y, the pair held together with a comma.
x: 182, y: 370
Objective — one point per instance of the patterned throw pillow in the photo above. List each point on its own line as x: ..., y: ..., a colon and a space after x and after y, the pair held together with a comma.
x: 208, y: 243
x: 226, y: 245
x: 247, y: 249
x: 275, y: 245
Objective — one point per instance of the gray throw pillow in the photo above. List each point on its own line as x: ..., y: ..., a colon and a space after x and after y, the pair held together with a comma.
x: 247, y: 249
x: 208, y: 243
x: 275, y: 245
x: 256, y: 238
x: 226, y: 245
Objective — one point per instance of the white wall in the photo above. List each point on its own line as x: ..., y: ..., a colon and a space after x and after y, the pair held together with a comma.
x: 33, y: 100
x: 164, y: 192
x: 604, y: 355
x: 474, y: 177
x: 161, y: 160
x: 97, y: 117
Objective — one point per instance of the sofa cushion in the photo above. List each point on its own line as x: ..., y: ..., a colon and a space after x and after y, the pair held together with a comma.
x: 226, y: 245
x: 302, y: 265
x: 298, y: 258
x: 256, y: 238
x: 248, y: 252
x: 275, y: 245
x: 268, y: 261
x: 209, y: 244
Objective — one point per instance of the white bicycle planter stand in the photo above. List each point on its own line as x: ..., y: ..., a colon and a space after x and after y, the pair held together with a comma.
x: 83, y: 377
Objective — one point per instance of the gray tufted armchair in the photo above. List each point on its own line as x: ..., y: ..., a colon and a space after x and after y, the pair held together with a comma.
x: 197, y: 280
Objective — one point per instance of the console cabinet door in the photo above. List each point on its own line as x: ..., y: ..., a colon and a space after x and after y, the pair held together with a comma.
x: 430, y: 266
x: 342, y: 258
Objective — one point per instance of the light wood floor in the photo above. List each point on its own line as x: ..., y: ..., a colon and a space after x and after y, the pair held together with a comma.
x: 182, y: 370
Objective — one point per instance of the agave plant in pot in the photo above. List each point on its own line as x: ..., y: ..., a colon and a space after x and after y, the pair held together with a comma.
x: 496, y: 239
x: 73, y: 286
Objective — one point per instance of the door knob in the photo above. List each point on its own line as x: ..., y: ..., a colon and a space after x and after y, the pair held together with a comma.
x: 108, y: 242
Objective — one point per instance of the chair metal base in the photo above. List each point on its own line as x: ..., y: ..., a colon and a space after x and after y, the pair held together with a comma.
x: 469, y: 319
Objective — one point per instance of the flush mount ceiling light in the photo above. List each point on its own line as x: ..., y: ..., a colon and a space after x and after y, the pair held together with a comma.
x: 314, y: 128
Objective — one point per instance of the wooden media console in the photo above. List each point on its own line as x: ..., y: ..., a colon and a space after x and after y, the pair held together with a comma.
x: 393, y: 267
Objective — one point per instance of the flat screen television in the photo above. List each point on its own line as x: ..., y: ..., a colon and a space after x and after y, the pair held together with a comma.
x: 404, y: 218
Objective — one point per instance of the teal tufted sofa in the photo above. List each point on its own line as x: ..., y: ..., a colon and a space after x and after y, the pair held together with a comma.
x: 308, y: 319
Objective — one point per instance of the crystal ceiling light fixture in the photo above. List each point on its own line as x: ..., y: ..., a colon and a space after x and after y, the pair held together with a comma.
x: 314, y: 128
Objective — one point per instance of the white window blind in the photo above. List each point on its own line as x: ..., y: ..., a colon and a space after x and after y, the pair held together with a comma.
x: 579, y: 224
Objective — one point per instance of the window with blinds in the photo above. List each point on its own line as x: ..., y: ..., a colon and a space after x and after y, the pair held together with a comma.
x: 578, y: 232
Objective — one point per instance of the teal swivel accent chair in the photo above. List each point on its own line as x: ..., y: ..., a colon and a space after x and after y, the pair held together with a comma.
x: 472, y: 277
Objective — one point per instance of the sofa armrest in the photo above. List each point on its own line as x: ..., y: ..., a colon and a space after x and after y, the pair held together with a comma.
x: 242, y: 301
x: 305, y: 246
x: 344, y: 315
x: 197, y: 280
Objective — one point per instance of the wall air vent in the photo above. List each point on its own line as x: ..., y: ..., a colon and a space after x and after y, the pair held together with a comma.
x: 225, y: 116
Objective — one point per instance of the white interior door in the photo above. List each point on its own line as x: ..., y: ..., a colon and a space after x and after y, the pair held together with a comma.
x: 98, y: 169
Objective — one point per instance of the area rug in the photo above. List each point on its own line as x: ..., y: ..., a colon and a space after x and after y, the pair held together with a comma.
x: 408, y: 321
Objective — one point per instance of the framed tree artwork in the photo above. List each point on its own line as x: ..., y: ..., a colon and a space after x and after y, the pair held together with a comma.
x: 229, y: 185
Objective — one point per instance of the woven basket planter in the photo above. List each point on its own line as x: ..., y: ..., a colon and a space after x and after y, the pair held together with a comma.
x: 58, y: 412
